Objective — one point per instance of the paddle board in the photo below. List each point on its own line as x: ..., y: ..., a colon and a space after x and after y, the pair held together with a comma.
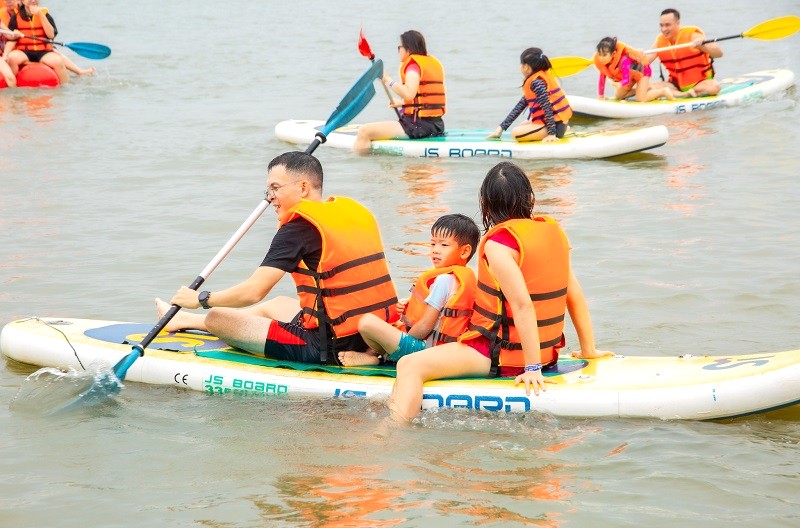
x: 735, y: 91
x: 473, y: 143
x: 678, y: 387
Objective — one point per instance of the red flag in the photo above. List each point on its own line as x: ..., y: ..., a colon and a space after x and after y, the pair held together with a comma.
x: 363, y: 46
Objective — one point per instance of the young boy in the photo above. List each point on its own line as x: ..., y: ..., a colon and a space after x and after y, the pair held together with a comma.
x: 440, y: 305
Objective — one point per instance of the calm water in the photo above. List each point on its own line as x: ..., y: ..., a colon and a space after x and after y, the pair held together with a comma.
x: 121, y: 187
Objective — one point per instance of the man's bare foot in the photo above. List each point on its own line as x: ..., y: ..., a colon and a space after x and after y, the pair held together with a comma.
x: 181, y: 320
x: 351, y: 358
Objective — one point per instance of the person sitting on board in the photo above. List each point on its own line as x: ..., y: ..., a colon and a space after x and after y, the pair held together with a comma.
x: 12, y: 7
x: 525, y: 286
x: 5, y: 17
x: 691, y: 68
x: 629, y: 70
x: 33, y: 20
x: 548, y: 108
x: 333, y: 250
x: 5, y: 69
x: 422, y: 88
x: 440, y: 305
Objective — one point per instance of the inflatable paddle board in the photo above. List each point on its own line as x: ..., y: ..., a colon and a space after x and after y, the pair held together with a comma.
x: 735, y: 91
x: 673, y: 388
x: 473, y: 143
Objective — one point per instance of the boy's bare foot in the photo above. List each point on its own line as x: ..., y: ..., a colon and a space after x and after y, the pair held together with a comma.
x: 668, y: 94
x: 351, y: 358
x: 87, y: 71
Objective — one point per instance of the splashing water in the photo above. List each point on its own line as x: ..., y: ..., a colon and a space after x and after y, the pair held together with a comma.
x: 50, y: 391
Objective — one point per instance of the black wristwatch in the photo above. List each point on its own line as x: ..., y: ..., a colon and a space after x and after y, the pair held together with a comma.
x: 203, y: 298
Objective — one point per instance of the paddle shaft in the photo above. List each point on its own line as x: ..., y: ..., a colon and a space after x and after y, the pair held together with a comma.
x: 689, y: 44
x: 89, y: 50
x: 218, y: 258
x: 388, y: 93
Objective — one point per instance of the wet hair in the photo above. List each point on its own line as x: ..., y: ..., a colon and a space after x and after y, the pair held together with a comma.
x: 505, y: 193
x: 461, y: 227
x: 302, y: 163
x: 414, y: 42
x: 607, y: 45
x: 671, y: 11
x: 536, y: 59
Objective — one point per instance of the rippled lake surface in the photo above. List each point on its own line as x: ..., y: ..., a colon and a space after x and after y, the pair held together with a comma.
x: 120, y: 187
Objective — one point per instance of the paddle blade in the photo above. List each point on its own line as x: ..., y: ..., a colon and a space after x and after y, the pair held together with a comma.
x: 50, y: 391
x: 566, y: 66
x: 356, y: 99
x: 363, y: 46
x: 774, y: 29
x: 90, y: 50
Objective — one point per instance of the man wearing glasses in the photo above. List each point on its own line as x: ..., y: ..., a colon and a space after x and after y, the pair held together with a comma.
x: 333, y: 250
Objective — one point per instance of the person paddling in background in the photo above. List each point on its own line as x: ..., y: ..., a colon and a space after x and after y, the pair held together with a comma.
x: 422, y: 88
x: 11, y: 9
x: 548, y: 108
x: 33, y: 20
x: 628, y: 67
x: 440, y: 305
x: 691, y: 69
x: 525, y: 286
x: 333, y: 250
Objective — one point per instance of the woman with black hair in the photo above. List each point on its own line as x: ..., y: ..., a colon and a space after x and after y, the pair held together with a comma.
x: 525, y: 287
x: 421, y: 87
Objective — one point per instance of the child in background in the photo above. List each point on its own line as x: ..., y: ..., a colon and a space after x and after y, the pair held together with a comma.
x: 549, y: 110
x: 440, y: 305
x: 629, y: 69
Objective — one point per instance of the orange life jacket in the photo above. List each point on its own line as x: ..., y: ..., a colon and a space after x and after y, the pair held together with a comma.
x: 430, y: 99
x: 558, y: 101
x: 31, y: 28
x: 456, y: 313
x: 612, y: 69
x: 5, y: 16
x: 544, y: 261
x: 686, y: 66
x: 352, y: 278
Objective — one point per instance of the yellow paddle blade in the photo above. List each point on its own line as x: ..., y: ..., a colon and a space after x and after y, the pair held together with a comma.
x: 774, y: 29
x: 566, y: 66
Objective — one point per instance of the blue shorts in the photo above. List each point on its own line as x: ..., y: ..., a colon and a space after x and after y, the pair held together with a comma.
x: 407, y: 345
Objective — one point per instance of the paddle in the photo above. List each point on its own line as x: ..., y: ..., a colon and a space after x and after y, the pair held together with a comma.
x: 103, y: 385
x: 774, y: 29
x: 366, y: 51
x: 89, y: 50
x: 348, y: 108
x: 351, y: 105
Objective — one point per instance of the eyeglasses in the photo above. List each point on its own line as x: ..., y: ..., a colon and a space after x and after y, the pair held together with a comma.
x: 274, y: 188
